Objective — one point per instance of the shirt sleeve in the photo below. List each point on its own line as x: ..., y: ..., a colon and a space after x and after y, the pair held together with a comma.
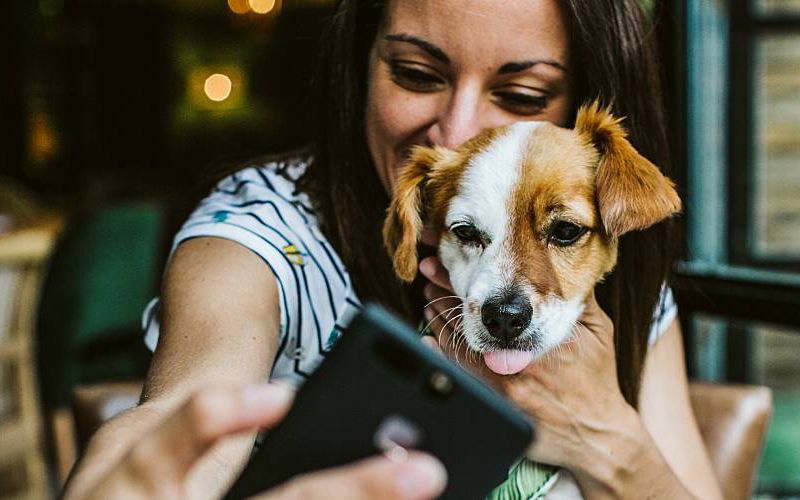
x: 664, y: 314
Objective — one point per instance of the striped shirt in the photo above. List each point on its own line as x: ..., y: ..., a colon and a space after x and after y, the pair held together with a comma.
x: 260, y: 208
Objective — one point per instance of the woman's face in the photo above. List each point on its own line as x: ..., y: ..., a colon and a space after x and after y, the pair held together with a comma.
x: 440, y: 71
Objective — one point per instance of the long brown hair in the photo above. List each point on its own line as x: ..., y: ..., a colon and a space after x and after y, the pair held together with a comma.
x: 614, y: 50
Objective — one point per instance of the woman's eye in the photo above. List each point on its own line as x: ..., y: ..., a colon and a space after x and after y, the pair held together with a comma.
x: 520, y: 103
x: 564, y: 233
x: 468, y: 234
x: 414, y: 78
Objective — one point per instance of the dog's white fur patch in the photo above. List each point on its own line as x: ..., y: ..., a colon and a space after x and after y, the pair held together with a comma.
x: 555, y: 318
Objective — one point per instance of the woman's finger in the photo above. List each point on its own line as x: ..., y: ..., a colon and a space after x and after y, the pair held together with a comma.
x: 419, y: 477
x: 167, y: 453
x: 432, y: 268
x: 595, y: 319
x: 431, y: 342
x: 440, y: 299
x: 429, y: 237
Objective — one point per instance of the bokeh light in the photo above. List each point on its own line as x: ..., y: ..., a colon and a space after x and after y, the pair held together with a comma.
x: 261, y: 6
x: 218, y: 87
x: 239, y: 6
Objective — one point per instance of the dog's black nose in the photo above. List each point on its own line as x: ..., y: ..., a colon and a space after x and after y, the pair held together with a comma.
x: 506, y: 317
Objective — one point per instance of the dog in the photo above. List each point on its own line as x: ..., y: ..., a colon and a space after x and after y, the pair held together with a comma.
x: 529, y: 217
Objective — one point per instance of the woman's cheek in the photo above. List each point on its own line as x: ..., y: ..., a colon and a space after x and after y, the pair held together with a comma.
x: 378, y: 121
x: 394, y: 126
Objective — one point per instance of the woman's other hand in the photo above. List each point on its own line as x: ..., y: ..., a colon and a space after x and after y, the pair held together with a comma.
x: 572, y: 392
x: 443, y: 308
x: 157, y: 466
x: 574, y: 395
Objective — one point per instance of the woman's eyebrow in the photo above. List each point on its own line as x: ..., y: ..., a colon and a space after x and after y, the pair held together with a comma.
x: 516, y: 67
x: 425, y: 45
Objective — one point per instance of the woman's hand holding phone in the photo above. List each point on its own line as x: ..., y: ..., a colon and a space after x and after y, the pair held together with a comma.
x: 157, y: 465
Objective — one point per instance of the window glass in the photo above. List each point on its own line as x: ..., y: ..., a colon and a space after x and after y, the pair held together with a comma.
x: 775, y: 225
x: 778, y: 6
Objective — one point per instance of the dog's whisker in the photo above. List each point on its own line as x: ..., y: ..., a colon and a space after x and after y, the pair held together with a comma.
x: 453, y: 309
x: 562, y: 351
x: 428, y: 325
x: 474, y: 356
x: 453, y: 346
x: 458, y: 331
x: 454, y: 343
x: 580, y: 328
x: 441, y: 333
x: 441, y: 298
x: 457, y: 340
x: 458, y: 316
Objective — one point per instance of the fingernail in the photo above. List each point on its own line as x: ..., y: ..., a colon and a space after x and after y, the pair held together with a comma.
x: 426, y: 267
x: 422, y: 476
x: 431, y: 342
x: 260, y: 396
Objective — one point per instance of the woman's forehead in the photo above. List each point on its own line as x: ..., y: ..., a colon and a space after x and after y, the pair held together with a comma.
x: 487, y: 32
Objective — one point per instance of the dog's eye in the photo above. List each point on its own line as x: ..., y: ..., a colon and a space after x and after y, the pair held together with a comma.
x: 468, y: 234
x: 564, y: 233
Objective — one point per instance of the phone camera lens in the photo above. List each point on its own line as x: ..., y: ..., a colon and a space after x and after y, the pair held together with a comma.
x: 440, y: 383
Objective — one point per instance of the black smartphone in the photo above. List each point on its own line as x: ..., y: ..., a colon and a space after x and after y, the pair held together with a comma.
x: 380, y: 390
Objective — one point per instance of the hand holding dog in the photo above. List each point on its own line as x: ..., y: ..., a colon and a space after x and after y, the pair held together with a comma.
x: 572, y: 392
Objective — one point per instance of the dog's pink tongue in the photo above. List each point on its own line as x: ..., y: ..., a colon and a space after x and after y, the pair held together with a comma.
x: 507, y: 362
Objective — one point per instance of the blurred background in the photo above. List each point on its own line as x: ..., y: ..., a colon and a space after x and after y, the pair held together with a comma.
x: 117, y: 115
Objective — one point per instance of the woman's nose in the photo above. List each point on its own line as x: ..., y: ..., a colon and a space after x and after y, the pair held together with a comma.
x: 458, y: 121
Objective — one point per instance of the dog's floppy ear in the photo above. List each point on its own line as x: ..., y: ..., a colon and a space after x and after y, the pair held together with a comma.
x: 403, y: 225
x: 632, y: 193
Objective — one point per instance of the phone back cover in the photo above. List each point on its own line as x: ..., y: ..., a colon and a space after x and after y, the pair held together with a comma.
x: 333, y: 421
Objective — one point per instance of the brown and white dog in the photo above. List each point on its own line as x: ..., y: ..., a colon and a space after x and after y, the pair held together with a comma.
x: 529, y: 217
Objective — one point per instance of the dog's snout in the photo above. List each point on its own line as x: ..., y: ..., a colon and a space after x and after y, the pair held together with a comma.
x: 506, y: 317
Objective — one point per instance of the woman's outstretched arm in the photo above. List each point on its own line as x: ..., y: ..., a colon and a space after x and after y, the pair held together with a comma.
x: 220, y: 324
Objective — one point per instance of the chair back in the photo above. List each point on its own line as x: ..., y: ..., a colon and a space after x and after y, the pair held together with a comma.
x: 24, y: 254
x: 103, y: 273
x: 733, y: 421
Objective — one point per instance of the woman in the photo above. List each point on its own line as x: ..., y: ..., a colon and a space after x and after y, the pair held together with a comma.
x: 257, y: 283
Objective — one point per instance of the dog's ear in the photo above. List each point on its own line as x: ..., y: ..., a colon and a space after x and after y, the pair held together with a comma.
x: 403, y: 225
x: 632, y: 193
